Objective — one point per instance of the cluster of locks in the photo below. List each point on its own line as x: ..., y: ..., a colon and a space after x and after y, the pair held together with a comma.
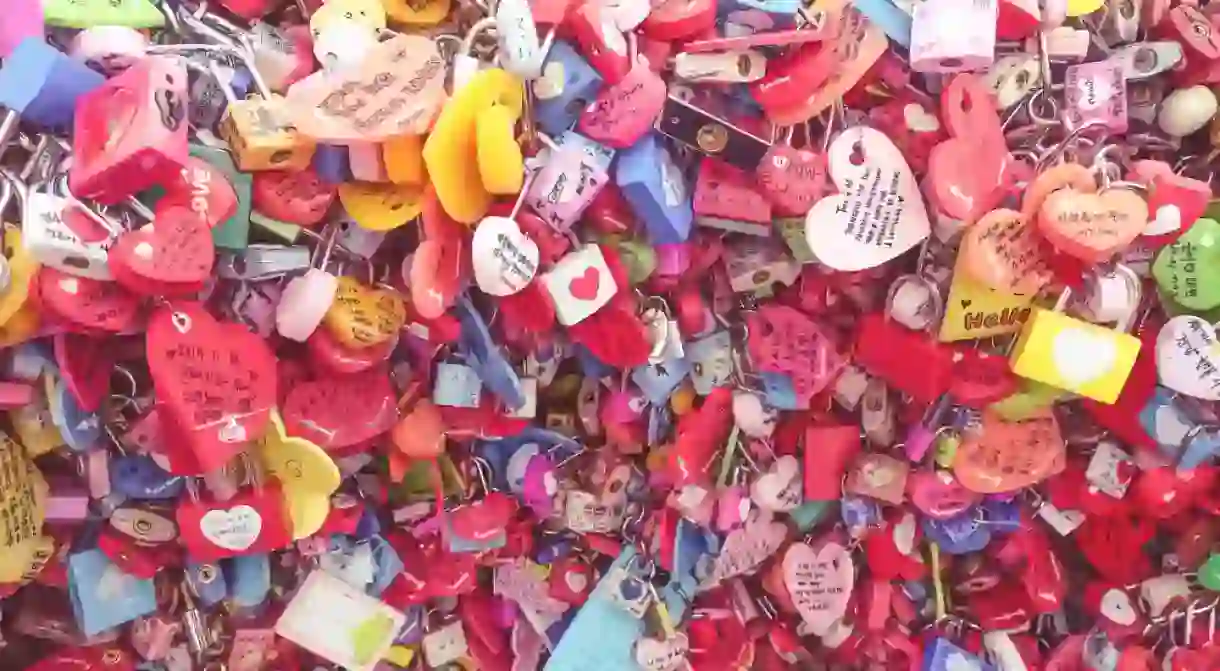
x: 609, y: 335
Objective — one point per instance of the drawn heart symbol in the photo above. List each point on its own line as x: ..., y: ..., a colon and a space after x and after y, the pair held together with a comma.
x: 792, y: 179
x: 93, y: 305
x: 1081, y: 356
x: 505, y: 260
x: 779, y: 489
x: 340, y: 411
x: 234, y: 529
x: 879, y: 213
x: 1005, y: 253
x: 292, y: 196
x: 363, y: 317
x: 551, y: 83
x: 217, y: 381
x: 203, y: 189
x: 1187, y: 357
x: 819, y: 582
x: 1092, y: 227
x: 172, y: 255
x: 585, y: 286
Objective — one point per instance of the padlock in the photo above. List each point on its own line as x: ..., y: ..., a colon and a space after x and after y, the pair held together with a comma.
x: 261, y: 132
x: 253, y: 521
x: 49, y: 240
x: 131, y: 131
x: 566, y: 185
x: 725, y: 198
x: 1049, y: 350
x: 656, y: 189
x: 43, y: 85
x: 711, y: 135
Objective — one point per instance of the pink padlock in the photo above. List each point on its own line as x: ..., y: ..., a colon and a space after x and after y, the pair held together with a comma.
x: 1096, y: 93
x: 564, y: 187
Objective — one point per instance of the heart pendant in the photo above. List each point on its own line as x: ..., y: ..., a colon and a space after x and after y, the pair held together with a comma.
x: 93, y: 305
x: 792, y: 179
x: 1005, y: 253
x: 172, y: 255
x: 820, y: 583
x: 217, y: 380
x: 363, y: 317
x: 1187, y: 357
x: 340, y: 411
x: 1092, y: 227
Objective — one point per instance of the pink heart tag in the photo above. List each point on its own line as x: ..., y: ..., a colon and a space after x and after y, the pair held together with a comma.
x: 939, y: 495
x: 1093, y: 227
x: 967, y: 171
x: 819, y: 582
x: 340, y: 411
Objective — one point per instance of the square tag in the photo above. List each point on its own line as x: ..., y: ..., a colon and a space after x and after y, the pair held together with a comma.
x: 580, y: 284
x: 339, y: 623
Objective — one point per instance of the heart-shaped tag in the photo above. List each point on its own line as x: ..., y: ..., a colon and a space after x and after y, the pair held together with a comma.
x: 1005, y: 456
x: 438, y: 269
x: 878, y: 214
x: 939, y: 495
x: 668, y: 654
x: 792, y: 179
x: 397, y: 90
x: 234, y: 529
x: 1092, y: 227
x: 93, y: 305
x: 505, y: 260
x: 1005, y: 253
x: 341, y: 411
x: 623, y: 113
x: 363, y: 317
x: 307, y: 475
x: 820, y: 583
x: 292, y: 196
x: 328, y: 354
x: 216, y: 380
x: 381, y: 207
x: 966, y: 172
x: 174, y: 254
x: 1187, y: 357
x: 1189, y: 269
x: 780, y: 489
x: 746, y: 547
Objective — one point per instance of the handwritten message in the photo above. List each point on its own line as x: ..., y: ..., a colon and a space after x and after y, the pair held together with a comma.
x: 1003, y: 456
x: 746, y: 548
x: 21, y: 488
x: 624, y: 112
x: 362, y: 317
x: 1187, y: 357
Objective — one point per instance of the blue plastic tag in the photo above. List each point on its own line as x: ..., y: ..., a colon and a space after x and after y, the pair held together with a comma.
x: 711, y: 361
x: 656, y: 190
x: 43, y: 84
x: 658, y: 381
x: 250, y: 576
x: 332, y: 164
x: 960, y: 534
x: 895, y: 22
x: 81, y: 430
x: 456, y: 386
x: 137, y: 476
x: 103, y: 596
x: 602, y: 635
x: 567, y: 85
x: 942, y: 655
x: 1165, y: 422
x: 779, y: 392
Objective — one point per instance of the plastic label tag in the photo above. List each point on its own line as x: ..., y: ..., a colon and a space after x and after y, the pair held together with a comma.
x: 338, y: 623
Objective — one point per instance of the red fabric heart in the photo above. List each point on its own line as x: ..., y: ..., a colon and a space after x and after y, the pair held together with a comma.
x: 172, y: 255
x: 337, y: 411
x: 216, y: 381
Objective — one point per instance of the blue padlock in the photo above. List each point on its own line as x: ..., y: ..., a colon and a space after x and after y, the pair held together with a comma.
x: 485, y: 356
x: 895, y: 22
x: 567, y: 85
x: 1002, y: 517
x: 959, y: 534
x: 942, y: 655
x: 590, y: 365
x: 103, y: 595
x: 660, y: 421
x: 42, y: 85
x: 658, y: 381
x: 778, y: 391
x: 1166, y: 422
x: 332, y: 164
x: 757, y: 16
x: 386, y: 565
x: 550, y: 549
x: 207, y: 582
x: 81, y: 430
x: 250, y: 577
x: 656, y: 190
x: 859, y: 512
x: 137, y: 476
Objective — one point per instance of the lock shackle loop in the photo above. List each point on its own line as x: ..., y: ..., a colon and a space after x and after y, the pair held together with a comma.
x: 484, y: 25
x: 59, y: 186
x: 241, y: 55
x: 1056, y: 153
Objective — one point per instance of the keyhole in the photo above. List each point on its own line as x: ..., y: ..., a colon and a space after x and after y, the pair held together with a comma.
x: 857, y: 153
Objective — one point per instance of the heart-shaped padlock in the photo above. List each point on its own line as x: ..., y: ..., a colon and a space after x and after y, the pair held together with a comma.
x: 217, y: 381
x: 171, y: 256
x: 362, y: 317
x: 252, y: 522
x: 341, y: 411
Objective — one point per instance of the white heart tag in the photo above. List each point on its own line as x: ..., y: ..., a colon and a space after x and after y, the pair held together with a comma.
x: 1168, y: 219
x: 780, y: 488
x: 819, y: 582
x: 1081, y: 356
x: 234, y: 529
x: 878, y: 214
x: 1186, y: 357
x: 505, y: 260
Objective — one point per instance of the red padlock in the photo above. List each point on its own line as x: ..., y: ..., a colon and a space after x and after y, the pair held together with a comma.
x: 253, y: 521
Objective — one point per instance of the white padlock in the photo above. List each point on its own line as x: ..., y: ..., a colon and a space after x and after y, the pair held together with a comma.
x: 953, y: 35
x: 52, y: 243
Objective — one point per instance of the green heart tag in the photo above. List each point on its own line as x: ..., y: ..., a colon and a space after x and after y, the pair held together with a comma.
x: 90, y: 13
x: 1209, y: 573
x: 1189, y: 270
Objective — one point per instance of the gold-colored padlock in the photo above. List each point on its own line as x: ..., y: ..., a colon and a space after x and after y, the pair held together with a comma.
x: 417, y: 12
x: 260, y: 130
x: 362, y: 317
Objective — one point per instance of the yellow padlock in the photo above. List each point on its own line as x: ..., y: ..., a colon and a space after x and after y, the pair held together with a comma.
x: 23, y: 497
x: 381, y: 207
x: 361, y: 317
x: 450, y: 152
x: 404, y: 160
x: 418, y: 12
x: 263, y: 137
x: 501, y: 164
x: 1075, y: 355
x: 21, y: 267
x: 974, y: 310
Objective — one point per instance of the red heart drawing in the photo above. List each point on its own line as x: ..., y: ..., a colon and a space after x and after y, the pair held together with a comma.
x: 89, y: 304
x: 203, y: 189
x: 585, y: 286
x: 337, y: 411
x: 792, y: 179
x: 85, y: 365
x: 172, y: 255
x: 293, y: 196
x: 217, y: 381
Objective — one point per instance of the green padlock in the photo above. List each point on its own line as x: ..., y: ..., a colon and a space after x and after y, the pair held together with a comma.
x: 1209, y: 573
x: 1033, y: 397
x: 1188, y: 271
x: 90, y: 13
x: 234, y: 233
x: 274, y: 231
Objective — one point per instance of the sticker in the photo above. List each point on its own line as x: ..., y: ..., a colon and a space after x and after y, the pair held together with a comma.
x: 234, y: 529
